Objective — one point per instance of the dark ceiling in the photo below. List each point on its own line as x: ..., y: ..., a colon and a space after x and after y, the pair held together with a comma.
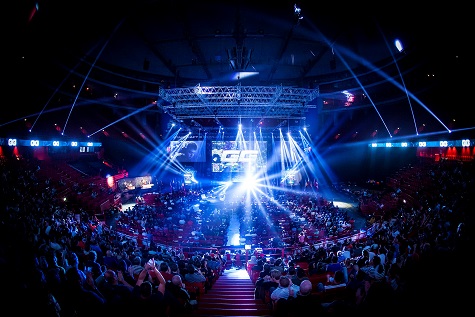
x: 132, y: 68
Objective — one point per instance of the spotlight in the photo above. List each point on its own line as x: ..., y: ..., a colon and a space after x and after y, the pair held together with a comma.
x: 298, y: 12
x: 399, y: 45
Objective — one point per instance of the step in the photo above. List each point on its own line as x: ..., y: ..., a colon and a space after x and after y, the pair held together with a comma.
x: 218, y: 298
x: 225, y: 278
x: 222, y: 288
x: 231, y: 283
x: 236, y: 284
x: 208, y: 312
x: 229, y: 291
x: 236, y: 306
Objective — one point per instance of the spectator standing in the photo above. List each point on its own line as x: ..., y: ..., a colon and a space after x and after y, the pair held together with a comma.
x: 147, y: 302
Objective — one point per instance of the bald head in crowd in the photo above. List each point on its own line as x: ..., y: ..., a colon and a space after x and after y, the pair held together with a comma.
x: 305, y: 287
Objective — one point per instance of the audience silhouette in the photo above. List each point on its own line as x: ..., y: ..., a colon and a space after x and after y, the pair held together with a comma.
x: 404, y: 261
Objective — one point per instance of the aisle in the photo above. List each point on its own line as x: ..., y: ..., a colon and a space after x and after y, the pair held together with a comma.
x: 234, y: 231
x: 231, y: 295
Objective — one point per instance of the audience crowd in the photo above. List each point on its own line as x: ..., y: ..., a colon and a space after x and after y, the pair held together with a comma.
x: 61, y: 260
x: 408, y: 261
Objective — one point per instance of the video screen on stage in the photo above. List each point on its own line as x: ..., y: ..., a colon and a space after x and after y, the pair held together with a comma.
x: 238, y: 157
x: 187, y: 151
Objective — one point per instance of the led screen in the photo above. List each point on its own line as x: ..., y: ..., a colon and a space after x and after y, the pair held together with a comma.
x: 187, y: 151
x: 238, y: 157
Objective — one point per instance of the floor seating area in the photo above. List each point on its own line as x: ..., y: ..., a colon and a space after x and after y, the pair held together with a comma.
x: 158, y: 222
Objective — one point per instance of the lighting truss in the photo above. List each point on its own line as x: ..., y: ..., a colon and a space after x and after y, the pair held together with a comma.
x: 238, y: 101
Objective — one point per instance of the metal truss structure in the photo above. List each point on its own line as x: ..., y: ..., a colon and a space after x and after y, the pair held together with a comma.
x: 277, y: 102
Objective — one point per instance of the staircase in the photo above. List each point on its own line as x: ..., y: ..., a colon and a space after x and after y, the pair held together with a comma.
x: 231, y: 295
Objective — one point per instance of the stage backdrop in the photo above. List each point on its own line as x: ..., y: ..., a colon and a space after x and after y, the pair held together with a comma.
x: 238, y: 158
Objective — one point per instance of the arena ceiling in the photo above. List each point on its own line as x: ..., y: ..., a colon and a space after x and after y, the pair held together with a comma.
x: 138, y: 67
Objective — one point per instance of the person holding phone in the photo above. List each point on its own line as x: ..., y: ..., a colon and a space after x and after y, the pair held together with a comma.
x: 146, y: 301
